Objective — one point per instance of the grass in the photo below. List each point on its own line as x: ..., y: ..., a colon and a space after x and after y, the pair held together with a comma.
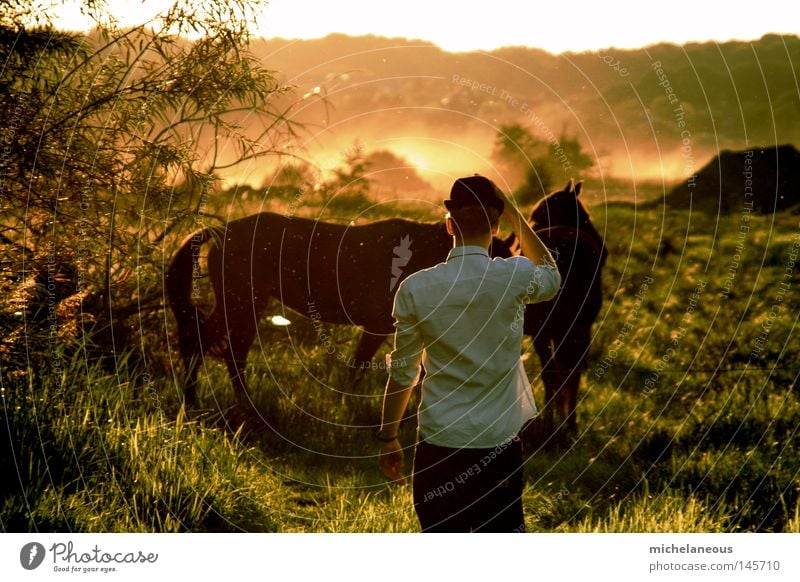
x: 686, y: 424
x: 93, y: 457
x: 666, y: 512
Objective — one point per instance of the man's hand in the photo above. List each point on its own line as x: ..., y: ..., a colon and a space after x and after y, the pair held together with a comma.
x: 392, y: 461
x: 509, y: 208
x: 531, y: 245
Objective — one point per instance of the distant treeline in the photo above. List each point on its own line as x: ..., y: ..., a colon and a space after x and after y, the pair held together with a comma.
x: 709, y: 95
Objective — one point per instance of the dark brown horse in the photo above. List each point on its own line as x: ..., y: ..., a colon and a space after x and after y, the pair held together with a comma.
x: 561, y: 328
x: 333, y: 273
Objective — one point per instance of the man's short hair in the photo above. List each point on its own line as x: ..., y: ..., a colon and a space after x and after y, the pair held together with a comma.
x: 474, y: 220
x: 475, y: 189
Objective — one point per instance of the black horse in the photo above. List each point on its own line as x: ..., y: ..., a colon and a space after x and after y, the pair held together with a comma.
x: 561, y: 328
x: 330, y: 272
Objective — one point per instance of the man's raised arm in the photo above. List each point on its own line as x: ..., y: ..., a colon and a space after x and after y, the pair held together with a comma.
x: 531, y: 245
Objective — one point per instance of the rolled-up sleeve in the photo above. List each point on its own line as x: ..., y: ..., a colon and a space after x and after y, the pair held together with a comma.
x: 546, y: 282
x: 404, y: 361
x: 534, y: 282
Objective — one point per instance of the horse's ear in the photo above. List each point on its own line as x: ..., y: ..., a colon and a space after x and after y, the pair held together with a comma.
x: 570, y: 186
x: 578, y: 188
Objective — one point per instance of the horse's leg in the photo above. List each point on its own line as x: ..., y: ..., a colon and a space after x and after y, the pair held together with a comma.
x: 205, y: 339
x: 228, y: 334
x: 190, y: 384
x: 572, y: 384
x: 368, y: 344
x: 240, y: 338
x: 191, y: 351
x: 543, y: 346
x: 559, y: 386
x: 557, y: 379
x: 571, y: 354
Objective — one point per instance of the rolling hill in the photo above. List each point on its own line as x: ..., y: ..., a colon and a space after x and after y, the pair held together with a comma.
x: 659, y: 112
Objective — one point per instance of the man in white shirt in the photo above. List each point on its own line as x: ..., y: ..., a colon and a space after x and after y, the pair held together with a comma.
x: 462, y: 320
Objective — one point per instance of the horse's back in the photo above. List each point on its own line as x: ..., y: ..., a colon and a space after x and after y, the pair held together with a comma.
x: 345, y: 273
x: 366, y: 263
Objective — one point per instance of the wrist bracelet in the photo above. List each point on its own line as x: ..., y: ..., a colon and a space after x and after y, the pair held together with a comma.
x: 384, y: 439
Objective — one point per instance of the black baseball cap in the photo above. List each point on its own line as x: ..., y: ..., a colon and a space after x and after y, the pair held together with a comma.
x: 474, y: 191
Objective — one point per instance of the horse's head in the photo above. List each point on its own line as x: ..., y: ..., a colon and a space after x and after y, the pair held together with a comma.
x: 561, y: 208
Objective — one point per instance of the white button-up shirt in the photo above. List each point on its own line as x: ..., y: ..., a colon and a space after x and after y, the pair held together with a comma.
x: 462, y: 320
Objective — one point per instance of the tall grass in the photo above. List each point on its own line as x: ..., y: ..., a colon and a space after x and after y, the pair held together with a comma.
x: 91, y: 452
x: 666, y: 512
x: 706, y: 441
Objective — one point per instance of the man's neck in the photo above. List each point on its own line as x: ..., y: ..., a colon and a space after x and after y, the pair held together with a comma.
x: 476, y: 241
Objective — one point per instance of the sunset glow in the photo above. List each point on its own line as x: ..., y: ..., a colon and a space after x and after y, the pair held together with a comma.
x: 471, y: 25
x: 438, y: 155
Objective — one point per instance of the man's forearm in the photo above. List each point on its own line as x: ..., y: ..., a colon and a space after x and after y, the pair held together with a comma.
x: 531, y: 245
x: 395, y: 402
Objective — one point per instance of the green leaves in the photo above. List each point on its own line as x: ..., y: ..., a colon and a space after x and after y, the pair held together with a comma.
x: 537, y: 164
x: 99, y: 130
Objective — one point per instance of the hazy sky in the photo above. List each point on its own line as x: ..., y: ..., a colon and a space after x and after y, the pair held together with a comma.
x: 556, y: 26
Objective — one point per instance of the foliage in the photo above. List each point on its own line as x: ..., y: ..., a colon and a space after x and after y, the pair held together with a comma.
x: 115, y: 138
x: 341, y: 193
x: 349, y: 186
x: 537, y: 165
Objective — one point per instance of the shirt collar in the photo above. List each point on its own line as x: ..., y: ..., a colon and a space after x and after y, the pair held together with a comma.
x: 467, y: 250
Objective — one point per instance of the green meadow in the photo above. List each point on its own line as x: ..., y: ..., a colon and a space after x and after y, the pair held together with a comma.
x: 687, y: 418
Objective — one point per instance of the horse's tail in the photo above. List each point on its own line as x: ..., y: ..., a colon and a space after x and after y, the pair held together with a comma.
x: 179, y: 286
